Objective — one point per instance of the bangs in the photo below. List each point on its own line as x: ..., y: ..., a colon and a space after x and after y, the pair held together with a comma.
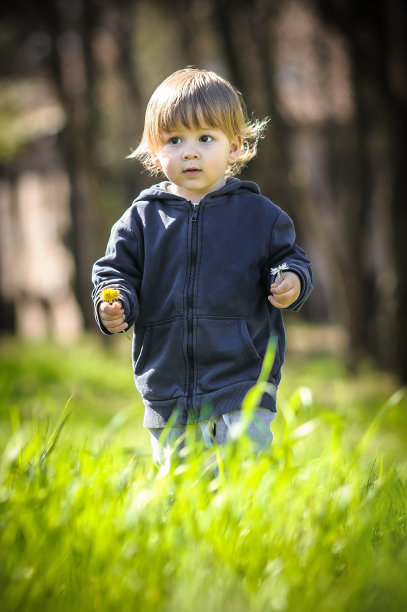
x: 189, y: 116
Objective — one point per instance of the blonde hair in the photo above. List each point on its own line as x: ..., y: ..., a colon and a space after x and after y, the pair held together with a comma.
x: 194, y: 98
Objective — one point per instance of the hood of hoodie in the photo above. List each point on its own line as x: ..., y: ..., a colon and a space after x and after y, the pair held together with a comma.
x: 232, y: 186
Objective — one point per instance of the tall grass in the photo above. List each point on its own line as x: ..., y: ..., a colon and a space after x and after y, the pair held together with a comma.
x: 317, y: 522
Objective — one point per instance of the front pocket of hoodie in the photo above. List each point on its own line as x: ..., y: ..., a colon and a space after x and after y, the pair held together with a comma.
x: 225, y: 353
x: 160, y: 368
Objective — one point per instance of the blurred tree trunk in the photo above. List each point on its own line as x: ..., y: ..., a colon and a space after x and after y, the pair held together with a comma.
x: 73, y: 74
x: 377, y: 41
x: 398, y: 155
x: 250, y: 58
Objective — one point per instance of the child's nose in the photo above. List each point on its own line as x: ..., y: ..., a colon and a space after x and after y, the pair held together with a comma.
x: 190, y: 152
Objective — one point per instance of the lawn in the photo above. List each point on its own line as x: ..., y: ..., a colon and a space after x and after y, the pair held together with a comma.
x: 318, y: 522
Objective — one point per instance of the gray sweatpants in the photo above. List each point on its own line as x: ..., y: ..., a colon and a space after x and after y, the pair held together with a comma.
x: 165, y: 441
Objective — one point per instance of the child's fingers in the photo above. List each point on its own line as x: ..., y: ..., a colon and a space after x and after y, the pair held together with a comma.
x: 286, y: 283
x: 111, y: 320
x: 274, y: 302
x: 283, y: 300
x: 115, y: 327
x: 281, y: 287
x: 112, y: 317
x: 283, y: 283
x: 284, y: 292
x: 111, y: 310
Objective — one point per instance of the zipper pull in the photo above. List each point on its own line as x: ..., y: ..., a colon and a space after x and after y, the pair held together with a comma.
x: 194, y: 212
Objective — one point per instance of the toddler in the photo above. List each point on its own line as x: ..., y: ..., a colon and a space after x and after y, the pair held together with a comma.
x: 203, y: 264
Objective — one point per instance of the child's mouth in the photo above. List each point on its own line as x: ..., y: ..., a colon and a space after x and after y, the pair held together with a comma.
x: 191, y: 171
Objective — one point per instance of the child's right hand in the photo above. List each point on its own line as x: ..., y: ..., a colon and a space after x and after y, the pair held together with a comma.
x: 112, y: 317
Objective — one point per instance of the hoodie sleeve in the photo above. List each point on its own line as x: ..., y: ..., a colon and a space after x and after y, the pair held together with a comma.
x: 283, y: 250
x: 119, y: 269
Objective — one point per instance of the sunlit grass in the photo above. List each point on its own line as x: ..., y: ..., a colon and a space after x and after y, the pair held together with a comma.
x: 318, y: 522
x: 37, y: 378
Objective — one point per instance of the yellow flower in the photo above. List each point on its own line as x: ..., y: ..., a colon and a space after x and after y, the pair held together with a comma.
x: 109, y: 295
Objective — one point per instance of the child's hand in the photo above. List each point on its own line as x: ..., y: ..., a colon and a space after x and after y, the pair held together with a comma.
x: 285, y: 290
x: 112, y: 317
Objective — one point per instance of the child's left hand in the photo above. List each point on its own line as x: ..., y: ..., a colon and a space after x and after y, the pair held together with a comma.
x: 285, y: 290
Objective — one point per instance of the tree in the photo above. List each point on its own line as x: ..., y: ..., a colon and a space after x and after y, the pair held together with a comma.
x: 377, y: 40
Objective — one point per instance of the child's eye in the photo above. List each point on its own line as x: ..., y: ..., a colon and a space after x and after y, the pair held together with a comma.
x: 206, y: 138
x: 174, y: 140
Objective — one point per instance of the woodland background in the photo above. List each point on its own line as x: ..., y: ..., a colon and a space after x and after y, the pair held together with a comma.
x: 75, y: 76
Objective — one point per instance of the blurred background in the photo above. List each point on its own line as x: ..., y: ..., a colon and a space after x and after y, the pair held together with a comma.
x: 75, y: 76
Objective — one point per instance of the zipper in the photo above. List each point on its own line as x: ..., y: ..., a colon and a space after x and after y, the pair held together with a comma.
x: 191, y: 414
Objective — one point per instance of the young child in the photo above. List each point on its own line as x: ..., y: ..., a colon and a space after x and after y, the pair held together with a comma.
x: 203, y: 264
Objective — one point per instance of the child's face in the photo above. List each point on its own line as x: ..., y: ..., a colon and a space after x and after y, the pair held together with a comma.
x: 195, y: 160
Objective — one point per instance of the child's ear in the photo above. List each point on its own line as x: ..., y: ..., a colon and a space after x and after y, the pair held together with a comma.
x: 156, y: 161
x: 235, y: 149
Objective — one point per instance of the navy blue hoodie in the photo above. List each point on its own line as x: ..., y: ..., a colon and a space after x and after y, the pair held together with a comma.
x: 194, y: 283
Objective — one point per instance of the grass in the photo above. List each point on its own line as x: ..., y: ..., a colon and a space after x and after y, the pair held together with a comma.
x: 318, y: 522
x: 37, y: 379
